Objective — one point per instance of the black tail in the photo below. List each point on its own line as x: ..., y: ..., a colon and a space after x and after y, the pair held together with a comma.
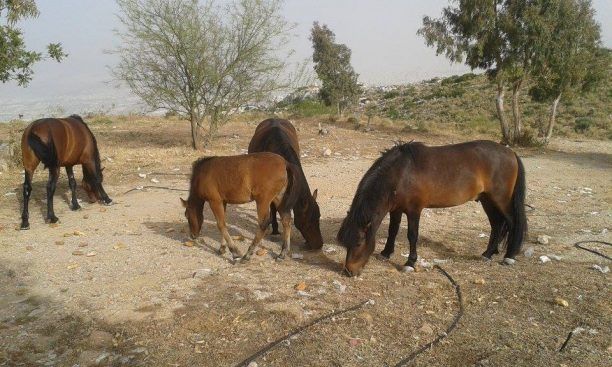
x: 46, y: 153
x: 518, y: 228
x: 292, y: 192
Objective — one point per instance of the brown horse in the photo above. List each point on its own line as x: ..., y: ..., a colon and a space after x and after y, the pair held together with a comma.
x: 412, y: 176
x: 61, y: 143
x: 263, y: 177
x: 279, y: 136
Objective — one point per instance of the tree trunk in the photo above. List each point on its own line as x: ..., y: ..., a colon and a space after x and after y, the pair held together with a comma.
x: 516, y: 112
x: 499, y: 103
x: 339, y: 111
x: 195, y: 139
x: 551, y: 121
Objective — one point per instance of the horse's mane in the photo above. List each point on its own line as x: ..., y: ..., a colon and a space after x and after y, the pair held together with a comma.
x: 375, y: 187
x: 195, y: 167
x: 96, y: 154
x: 278, y: 138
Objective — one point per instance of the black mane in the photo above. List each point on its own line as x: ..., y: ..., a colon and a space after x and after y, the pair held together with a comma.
x: 92, y: 177
x: 374, y: 188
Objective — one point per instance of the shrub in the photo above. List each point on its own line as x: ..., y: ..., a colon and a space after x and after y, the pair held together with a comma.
x: 582, y: 124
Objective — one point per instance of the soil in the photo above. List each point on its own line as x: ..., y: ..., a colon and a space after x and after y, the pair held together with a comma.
x: 121, y: 286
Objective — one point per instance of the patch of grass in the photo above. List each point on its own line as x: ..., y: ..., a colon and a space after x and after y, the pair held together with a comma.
x: 310, y: 108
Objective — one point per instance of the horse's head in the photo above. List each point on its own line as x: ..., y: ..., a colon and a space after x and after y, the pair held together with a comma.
x: 359, y: 246
x: 92, y: 184
x: 307, y: 218
x: 195, y: 217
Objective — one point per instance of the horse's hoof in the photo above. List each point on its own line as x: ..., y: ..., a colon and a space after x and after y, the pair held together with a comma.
x: 25, y: 226
x: 486, y: 258
x: 383, y: 257
x: 280, y: 258
x: 107, y: 202
x: 74, y: 208
x: 407, y: 269
x: 509, y: 261
x: 53, y: 219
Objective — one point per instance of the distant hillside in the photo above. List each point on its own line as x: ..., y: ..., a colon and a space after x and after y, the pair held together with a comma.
x: 467, y: 102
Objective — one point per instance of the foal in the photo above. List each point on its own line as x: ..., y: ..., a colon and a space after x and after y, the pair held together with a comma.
x: 265, y: 178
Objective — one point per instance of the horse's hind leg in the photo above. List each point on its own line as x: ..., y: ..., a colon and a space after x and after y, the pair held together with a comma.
x: 394, y: 225
x: 286, y: 221
x: 273, y: 219
x: 51, y: 185
x: 413, y: 236
x: 218, y: 210
x: 27, y: 191
x: 497, y: 221
x: 263, y: 220
x: 73, y: 186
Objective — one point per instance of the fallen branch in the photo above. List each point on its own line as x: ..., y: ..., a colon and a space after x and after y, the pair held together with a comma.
x: 579, y: 245
x: 140, y: 188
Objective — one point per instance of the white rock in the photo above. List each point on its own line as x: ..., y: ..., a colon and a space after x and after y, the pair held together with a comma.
x: 482, y: 235
x: 407, y: 269
x: 543, y: 239
x: 425, y: 264
x: 329, y: 249
x: 261, y: 295
x: 603, y: 270
x: 252, y: 364
x: 297, y: 256
x: 555, y: 257
x: 439, y: 261
x: 142, y: 175
x: 339, y: 286
x: 304, y: 294
x: 154, y: 180
x: 509, y: 261
x: 529, y: 252
x: 327, y: 152
x: 544, y: 259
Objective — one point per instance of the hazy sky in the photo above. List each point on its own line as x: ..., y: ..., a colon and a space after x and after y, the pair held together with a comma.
x: 381, y: 34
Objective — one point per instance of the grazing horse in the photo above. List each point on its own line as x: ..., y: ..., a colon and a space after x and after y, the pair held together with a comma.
x: 263, y: 177
x: 59, y: 143
x: 279, y: 136
x: 413, y: 176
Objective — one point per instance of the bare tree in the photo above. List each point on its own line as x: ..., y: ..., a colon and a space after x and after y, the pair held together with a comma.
x: 199, y: 59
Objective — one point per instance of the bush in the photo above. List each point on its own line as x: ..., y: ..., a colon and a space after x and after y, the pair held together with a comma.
x: 352, y: 120
x: 582, y: 124
x: 310, y: 108
x: 391, y: 94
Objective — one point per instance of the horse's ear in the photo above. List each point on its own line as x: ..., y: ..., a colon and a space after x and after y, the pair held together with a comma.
x: 183, y: 202
x: 314, y: 194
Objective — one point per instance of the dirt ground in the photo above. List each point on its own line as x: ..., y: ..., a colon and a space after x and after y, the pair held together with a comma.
x: 117, y: 286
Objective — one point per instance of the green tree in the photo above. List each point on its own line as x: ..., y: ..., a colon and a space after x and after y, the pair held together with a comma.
x: 333, y: 67
x: 199, y: 59
x: 569, y: 58
x: 16, y: 61
x: 492, y: 35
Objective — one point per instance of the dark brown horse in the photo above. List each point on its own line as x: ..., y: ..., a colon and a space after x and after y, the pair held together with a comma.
x: 412, y: 176
x: 263, y: 177
x: 61, y: 143
x: 279, y: 136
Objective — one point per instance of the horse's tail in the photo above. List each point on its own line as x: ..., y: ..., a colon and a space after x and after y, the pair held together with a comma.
x: 518, y: 228
x: 292, y: 192
x: 45, y: 152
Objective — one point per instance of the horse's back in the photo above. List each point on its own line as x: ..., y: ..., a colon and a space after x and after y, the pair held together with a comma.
x: 70, y: 136
x: 241, y: 178
x: 281, y: 129
x: 450, y: 175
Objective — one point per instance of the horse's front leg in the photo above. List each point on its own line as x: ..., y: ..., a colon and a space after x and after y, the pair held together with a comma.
x: 286, y: 221
x: 263, y: 221
x: 394, y: 225
x: 413, y: 236
x: 51, y: 185
x: 73, y: 185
